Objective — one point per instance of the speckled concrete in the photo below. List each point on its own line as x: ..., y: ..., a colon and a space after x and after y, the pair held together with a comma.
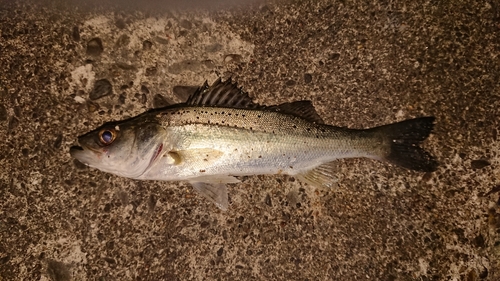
x: 362, y: 64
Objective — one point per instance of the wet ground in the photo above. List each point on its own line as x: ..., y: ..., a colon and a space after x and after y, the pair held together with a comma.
x: 66, y: 69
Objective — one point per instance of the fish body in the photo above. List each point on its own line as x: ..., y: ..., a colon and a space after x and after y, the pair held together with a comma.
x: 220, y: 133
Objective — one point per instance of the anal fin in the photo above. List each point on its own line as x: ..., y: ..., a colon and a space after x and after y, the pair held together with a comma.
x: 321, y: 176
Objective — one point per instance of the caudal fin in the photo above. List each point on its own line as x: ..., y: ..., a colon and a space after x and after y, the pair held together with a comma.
x: 405, y: 138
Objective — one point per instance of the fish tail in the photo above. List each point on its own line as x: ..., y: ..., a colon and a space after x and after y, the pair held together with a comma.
x: 404, y: 139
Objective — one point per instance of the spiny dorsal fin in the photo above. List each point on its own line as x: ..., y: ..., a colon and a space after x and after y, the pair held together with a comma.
x: 221, y: 94
x: 303, y: 109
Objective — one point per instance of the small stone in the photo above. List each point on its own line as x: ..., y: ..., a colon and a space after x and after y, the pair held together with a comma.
x: 13, y: 123
x: 150, y: 71
x: 144, y: 89
x: 147, y: 45
x: 159, y: 101
x: 290, y: 83
x: 186, y: 24
x: 58, y: 141
x: 308, y: 78
x: 232, y: 58
x: 268, y: 201
x: 58, y: 271
x: 3, y: 113
x: 122, y: 98
x: 209, y: 64
x: 120, y: 23
x: 151, y: 203
x: 142, y: 98
x: 479, y: 241
x: 125, y: 66
x: 101, y: 88
x: 75, y: 34
x: 122, y: 41
x: 335, y: 56
x: 109, y: 260
x: 213, y: 48
x: 220, y: 251
x: 92, y: 106
x: 161, y: 40
x: 94, y: 47
x: 479, y: 164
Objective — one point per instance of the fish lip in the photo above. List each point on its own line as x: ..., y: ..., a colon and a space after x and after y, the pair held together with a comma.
x: 78, y: 152
x: 76, y: 147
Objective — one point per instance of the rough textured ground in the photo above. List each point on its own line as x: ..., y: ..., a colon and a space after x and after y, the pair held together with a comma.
x: 361, y: 63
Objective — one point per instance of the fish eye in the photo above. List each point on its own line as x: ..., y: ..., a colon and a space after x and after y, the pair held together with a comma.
x: 107, y: 136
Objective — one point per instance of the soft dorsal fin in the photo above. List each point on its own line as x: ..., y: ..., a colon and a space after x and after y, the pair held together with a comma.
x: 221, y: 94
x: 303, y: 109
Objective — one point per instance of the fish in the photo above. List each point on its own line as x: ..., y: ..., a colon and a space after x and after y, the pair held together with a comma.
x: 220, y: 134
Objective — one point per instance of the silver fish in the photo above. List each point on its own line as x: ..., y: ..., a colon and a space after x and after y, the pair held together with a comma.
x: 220, y: 133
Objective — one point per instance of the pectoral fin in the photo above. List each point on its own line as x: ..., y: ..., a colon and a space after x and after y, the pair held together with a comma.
x: 321, y: 176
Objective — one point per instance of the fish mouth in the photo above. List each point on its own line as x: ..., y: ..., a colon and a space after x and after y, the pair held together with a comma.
x: 82, y: 154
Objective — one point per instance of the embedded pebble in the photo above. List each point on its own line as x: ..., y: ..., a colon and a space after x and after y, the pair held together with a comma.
x: 101, y: 88
x: 307, y: 78
x: 232, y: 58
x: 161, y: 40
x: 92, y: 106
x: 58, y: 141
x: 58, y: 271
x: 120, y: 23
x: 75, y: 34
x: 3, y: 113
x: 144, y: 89
x: 147, y: 45
x: 213, y: 48
x: 150, y: 71
x: 191, y: 65
x: 142, y: 98
x: 95, y: 47
x: 160, y: 101
x: 122, y: 41
x: 479, y: 164
x: 186, y: 24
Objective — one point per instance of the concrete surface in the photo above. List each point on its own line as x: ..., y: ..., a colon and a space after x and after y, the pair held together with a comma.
x: 362, y: 63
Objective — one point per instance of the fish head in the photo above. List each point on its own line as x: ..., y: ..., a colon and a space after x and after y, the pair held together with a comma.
x: 126, y: 149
